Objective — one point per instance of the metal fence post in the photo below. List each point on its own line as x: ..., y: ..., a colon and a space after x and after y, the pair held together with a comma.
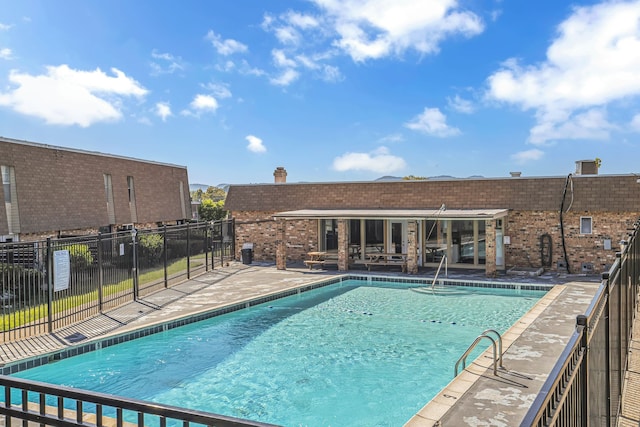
x: 582, y: 324
x: 607, y: 346
x: 49, y: 285
x: 233, y: 238
x: 188, y: 251
x: 100, y: 273
x: 206, y: 249
x: 134, y: 238
x: 164, y: 254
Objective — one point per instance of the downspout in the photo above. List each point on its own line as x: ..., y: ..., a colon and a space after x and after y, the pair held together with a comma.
x: 564, y: 246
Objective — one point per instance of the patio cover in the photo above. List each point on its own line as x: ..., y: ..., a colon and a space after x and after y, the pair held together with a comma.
x: 416, y: 214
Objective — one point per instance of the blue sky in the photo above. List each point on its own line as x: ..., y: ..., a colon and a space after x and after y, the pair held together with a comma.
x: 333, y: 90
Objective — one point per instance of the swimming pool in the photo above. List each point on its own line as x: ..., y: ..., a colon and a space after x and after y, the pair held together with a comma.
x: 352, y: 353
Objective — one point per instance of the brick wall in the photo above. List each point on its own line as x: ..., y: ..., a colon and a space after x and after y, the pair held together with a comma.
x: 594, y: 193
x: 62, y: 189
x: 524, y: 228
x: 260, y: 229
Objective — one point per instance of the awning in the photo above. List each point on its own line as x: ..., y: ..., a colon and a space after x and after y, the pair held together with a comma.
x: 414, y: 214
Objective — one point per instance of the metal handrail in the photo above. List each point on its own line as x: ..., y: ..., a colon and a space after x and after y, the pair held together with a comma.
x: 463, y: 358
x: 446, y: 272
x: 497, y: 334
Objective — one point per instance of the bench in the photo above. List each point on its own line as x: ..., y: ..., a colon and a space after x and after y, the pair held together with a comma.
x: 311, y: 263
x: 387, y: 259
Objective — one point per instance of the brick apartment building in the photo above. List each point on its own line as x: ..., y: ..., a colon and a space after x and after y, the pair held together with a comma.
x: 52, y: 191
x: 573, y: 223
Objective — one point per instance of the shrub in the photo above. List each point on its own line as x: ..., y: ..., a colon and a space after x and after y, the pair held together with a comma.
x: 16, y: 281
x: 79, y: 255
x: 151, y: 246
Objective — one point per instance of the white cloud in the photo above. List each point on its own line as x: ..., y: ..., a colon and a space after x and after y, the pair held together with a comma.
x: 225, y: 47
x: 287, y: 28
x: 287, y: 77
x: 255, y: 144
x: 635, y: 122
x: 5, y: 27
x: 281, y: 60
x: 163, y: 110
x: 592, y: 124
x: 287, y: 35
x: 396, y: 137
x: 65, y: 96
x: 302, y: 21
x: 204, y: 103
x: 379, y: 161
x: 5, y: 53
x: 247, y: 69
x: 527, y: 156
x: 165, y: 63
x: 593, y: 61
x: 461, y: 105
x: 219, y: 90
x: 432, y: 122
x: 371, y: 29
x: 331, y: 74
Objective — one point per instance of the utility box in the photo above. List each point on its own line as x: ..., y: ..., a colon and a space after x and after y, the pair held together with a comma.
x: 247, y: 253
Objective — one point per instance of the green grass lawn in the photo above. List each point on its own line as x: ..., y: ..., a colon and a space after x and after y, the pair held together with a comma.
x: 37, y: 312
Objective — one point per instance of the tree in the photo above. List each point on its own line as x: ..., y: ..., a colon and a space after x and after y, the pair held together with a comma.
x: 214, y: 193
x: 197, y: 195
x: 211, y: 211
x: 414, y: 178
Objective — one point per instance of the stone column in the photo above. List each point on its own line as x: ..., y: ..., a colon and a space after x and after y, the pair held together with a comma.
x: 412, y: 247
x: 281, y: 244
x: 490, y: 248
x: 343, y: 245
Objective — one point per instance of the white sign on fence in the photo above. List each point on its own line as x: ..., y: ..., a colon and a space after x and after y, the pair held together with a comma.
x: 121, y: 249
x: 61, y: 270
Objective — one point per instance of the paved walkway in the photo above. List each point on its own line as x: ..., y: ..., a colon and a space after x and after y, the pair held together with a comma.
x: 630, y: 414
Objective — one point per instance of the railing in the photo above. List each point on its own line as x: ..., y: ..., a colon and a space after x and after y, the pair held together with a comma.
x: 47, y: 285
x: 25, y: 400
x: 497, y: 352
x: 585, y: 386
x: 446, y: 272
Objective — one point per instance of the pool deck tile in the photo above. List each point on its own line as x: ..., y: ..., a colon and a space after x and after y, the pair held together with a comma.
x: 480, y: 397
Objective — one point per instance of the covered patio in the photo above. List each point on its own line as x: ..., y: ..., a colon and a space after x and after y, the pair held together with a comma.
x: 464, y: 238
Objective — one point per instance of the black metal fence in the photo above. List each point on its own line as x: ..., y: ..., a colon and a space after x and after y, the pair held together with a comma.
x: 47, y: 285
x: 24, y: 401
x: 585, y: 386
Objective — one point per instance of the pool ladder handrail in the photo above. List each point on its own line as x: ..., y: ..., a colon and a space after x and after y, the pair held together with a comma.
x: 497, y: 356
x: 446, y: 271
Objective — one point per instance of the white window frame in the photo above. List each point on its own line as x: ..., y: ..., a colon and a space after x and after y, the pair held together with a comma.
x: 583, y: 229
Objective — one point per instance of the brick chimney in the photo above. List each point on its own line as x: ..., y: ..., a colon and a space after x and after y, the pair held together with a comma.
x: 280, y: 175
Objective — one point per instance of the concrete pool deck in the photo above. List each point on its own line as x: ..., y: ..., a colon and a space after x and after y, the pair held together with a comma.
x: 530, y: 347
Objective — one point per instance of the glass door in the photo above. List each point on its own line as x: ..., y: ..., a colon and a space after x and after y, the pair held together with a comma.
x: 398, y: 238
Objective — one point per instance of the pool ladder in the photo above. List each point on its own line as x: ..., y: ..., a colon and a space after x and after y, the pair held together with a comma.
x: 497, y: 351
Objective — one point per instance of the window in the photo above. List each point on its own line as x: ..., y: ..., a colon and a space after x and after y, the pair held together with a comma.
x: 585, y: 225
x: 108, y: 192
x: 8, y: 176
x: 132, y: 199
x: 329, y: 234
x: 182, y: 205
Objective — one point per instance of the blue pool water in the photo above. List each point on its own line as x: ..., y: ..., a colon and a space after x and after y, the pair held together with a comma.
x: 350, y: 354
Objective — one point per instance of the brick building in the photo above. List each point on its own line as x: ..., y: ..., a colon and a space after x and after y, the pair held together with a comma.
x: 53, y: 191
x: 495, y: 224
